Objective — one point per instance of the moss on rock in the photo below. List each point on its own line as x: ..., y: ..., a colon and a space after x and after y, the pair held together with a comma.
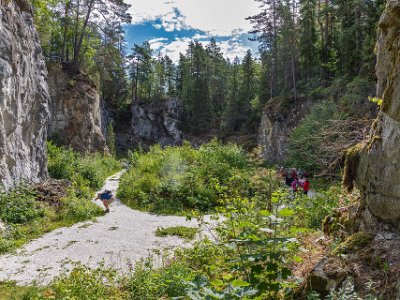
x: 354, y: 243
x: 352, y: 160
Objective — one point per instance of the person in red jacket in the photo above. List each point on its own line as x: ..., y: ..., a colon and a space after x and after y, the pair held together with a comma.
x: 306, y: 186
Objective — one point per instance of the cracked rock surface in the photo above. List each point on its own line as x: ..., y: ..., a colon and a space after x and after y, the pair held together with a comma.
x: 24, y: 97
x: 378, y: 174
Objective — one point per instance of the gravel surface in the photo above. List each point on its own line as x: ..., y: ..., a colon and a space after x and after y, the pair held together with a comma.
x: 117, y: 239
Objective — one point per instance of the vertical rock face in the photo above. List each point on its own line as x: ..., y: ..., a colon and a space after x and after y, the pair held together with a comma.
x: 277, y: 122
x: 23, y: 97
x: 378, y: 168
x: 156, y: 122
x: 75, y: 112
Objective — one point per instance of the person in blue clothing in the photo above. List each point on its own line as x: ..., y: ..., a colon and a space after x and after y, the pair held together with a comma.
x: 107, y: 198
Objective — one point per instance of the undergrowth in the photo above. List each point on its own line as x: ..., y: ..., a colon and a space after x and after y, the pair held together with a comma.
x: 26, y: 218
x: 176, y: 179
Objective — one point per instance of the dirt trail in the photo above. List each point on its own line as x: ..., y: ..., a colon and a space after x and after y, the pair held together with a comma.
x: 117, y: 239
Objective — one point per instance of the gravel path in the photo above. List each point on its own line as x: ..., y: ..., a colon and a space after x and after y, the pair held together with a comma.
x: 117, y: 239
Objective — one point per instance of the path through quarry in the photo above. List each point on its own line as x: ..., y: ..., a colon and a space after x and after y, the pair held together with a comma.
x: 117, y: 239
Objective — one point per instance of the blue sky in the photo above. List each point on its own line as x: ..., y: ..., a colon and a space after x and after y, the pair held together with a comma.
x: 169, y: 25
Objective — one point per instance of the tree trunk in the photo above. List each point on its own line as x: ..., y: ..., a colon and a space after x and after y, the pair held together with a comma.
x: 66, y: 15
x: 82, y: 35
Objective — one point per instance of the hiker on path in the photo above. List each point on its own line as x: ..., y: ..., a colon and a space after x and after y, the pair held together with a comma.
x: 306, y: 186
x: 107, y: 198
x: 295, y: 185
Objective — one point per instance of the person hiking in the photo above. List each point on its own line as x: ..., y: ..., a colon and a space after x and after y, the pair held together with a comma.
x: 107, y: 198
x: 295, y: 185
x: 288, y: 180
x: 306, y: 186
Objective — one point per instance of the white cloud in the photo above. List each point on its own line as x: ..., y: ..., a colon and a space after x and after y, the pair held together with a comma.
x: 157, y: 44
x: 229, y: 48
x: 216, y: 17
x: 173, y: 49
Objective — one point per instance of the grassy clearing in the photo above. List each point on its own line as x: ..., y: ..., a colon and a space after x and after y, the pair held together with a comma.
x: 26, y: 219
x: 181, y: 231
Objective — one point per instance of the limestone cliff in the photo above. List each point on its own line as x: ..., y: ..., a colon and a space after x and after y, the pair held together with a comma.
x: 277, y: 122
x: 376, y: 168
x: 156, y: 122
x: 75, y: 112
x: 23, y: 97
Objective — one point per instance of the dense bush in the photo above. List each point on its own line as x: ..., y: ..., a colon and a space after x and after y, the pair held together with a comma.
x: 90, y: 169
x: 83, y: 283
x: 76, y: 209
x: 19, y: 206
x: 178, y: 178
x: 147, y: 283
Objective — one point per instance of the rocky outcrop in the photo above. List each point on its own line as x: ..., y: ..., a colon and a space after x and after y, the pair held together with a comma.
x: 278, y: 119
x: 23, y: 97
x: 156, y: 122
x: 376, y: 167
x: 75, y: 112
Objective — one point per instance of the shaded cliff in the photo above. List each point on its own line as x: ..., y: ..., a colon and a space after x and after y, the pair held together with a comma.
x: 75, y: 112
x: 372, y: 226
x: 23, y: 97
x: 375, y: 167
x: 155, y: 122
x: 278, y: 120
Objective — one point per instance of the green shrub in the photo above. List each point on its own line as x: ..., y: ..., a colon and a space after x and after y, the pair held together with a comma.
x: 177, y: 178
x: 62, y: 162
x: 6, y: 245
x: 78, y: 209
x: 18, y: 206
x: 311, y: 211
x: 147, y: 283
x: 83, y: 169
x: 84, y: 283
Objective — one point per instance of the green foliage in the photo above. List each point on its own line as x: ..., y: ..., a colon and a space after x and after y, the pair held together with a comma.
x: 111, y: 143
x: 84, y: 283
x: 147, y: 283
x: 347, y: 292
x: 376, y: 100
x: 74, y: 209
x: 19, y: 207
x: 353, y: 243
x: 308, y: 142
x: 6, y: 245
x: 181, y: 231
x: 27, y: 218
x: 84, y: 170
x: 10, y: 291
x: 171, y: 180
x: 311, y: 211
